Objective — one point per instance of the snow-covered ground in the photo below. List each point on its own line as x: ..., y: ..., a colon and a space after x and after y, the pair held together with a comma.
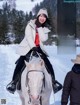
x: 61, y: 64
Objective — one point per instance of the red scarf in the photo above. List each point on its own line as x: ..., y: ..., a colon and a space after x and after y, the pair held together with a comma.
x: 37, y: 41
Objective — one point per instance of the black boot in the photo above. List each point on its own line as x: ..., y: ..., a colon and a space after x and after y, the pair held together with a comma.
x: 56, y: 86
x: 11, y: 87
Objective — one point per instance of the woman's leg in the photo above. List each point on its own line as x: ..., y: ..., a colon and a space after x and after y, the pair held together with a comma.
x: 47, y: 63
x: 49, y: 67
x: 20, y: 65
x: 50, y: 70
x: 11, y: 87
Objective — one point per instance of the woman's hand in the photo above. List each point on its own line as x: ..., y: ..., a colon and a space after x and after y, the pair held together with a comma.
x: 35, y: 49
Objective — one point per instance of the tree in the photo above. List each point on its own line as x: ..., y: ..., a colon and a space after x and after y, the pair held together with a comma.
x: 3, y: 23
x: 18, y: 25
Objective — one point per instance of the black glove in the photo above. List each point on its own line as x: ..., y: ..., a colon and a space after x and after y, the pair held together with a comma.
x: 34, y: 49
x: 39, y: 50
x: 38, y: 24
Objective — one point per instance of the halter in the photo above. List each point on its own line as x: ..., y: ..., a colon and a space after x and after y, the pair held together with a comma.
x: 43, y: 85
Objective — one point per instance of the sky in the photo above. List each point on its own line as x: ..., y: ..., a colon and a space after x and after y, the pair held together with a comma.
x: 8, y: 58
x: 1, y: 2
x: 25, y: 5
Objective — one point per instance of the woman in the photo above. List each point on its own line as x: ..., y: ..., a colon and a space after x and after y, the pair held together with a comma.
x: 36, y: 32
x: 71, y: 87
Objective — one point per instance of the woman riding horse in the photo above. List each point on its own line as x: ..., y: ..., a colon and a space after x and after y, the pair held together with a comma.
x: 36, y: 32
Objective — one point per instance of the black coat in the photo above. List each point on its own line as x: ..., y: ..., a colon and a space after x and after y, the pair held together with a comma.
x: 71, y: 87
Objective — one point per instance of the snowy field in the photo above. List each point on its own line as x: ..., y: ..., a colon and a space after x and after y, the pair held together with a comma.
x: 61, y: 64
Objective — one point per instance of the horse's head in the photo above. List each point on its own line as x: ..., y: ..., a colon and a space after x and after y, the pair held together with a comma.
x: 35, y: 77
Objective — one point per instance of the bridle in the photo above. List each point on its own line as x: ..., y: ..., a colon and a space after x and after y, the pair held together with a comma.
x: 43, y: 86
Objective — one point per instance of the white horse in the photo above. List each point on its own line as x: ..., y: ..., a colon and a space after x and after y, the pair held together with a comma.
x: 36, y: 85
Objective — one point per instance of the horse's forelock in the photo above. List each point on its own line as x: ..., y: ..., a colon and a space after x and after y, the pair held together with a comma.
x: 35, y: 63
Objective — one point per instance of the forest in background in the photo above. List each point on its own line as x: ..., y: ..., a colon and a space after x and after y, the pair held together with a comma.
x: 13, y: 22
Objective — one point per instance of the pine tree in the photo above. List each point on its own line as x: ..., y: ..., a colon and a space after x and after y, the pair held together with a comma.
x: 18, y: 25
x: 3, y: 23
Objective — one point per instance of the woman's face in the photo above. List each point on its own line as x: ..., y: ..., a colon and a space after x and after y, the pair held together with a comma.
x: 42, y: 18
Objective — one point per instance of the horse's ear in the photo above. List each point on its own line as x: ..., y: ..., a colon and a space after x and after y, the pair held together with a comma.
x: 42, y: 62
x: 27, y: 63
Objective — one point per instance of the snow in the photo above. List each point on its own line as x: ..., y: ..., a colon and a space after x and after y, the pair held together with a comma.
x: 61, y: 64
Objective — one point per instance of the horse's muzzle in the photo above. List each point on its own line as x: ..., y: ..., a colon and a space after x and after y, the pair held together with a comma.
x: 35, y: 97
